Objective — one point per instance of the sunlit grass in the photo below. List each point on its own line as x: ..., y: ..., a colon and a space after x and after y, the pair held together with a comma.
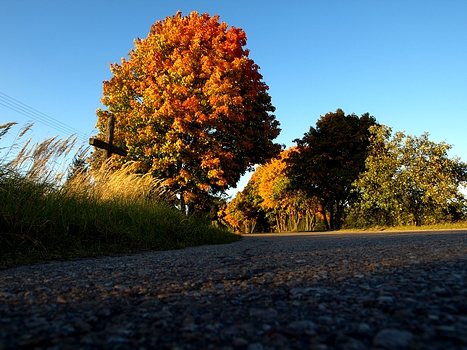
x: 441, y: 226
x: 44, y: 216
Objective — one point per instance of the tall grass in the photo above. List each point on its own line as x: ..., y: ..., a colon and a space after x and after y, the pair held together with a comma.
x: 46, y: 215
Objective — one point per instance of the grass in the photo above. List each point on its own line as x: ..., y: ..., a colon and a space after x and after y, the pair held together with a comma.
x: 45, y: 217
x: 440, y: 226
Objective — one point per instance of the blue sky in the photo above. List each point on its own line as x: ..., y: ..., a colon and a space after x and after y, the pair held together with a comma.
x: 404, y: 62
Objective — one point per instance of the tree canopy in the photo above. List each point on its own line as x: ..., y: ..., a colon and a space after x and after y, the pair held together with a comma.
x: 285, y: 206
x: 190, y: 106
x: 351, y: 171
x: 268, y: 201
x: 243, y: 212
x: 409, y: 180
x: 329, y: 159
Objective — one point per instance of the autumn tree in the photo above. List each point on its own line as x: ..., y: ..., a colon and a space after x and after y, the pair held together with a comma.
x: 286, y: 207
x: 243, y: 213
x: 190, y: 106
x: 329, y: 159
x: 409, y: 181
x: 269, y: 203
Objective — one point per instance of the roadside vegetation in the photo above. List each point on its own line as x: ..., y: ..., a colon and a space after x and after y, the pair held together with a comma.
x: 47, y: 213
x: 458, y: 225
x: 191, y: 114
x: 355, y: 174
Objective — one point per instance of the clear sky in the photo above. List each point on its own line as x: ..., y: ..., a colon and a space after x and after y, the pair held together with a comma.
x: 403, y: 61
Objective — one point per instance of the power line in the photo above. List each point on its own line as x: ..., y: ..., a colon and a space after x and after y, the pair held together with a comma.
x: 43, y: 118
x: 36, y: 115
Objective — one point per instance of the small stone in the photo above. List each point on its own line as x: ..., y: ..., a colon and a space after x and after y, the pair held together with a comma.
x: 440, y: 291
x: 255, y: 346
x: 302, y: 325
x: 117, y: 339
x: 68, y: 329
x: 366, y: 301
x: 265, y: 315
x: 326, y: 320
x: 276, y: 340
x: 121, y: 287
x: 363, y: 328
x: 83, y: 326
x: 33, y: 342
x: 189, y: 324
x: 447, y: 332
x: 354, y: 344
x: 392, y: 338
x: 446, y: 329
x: 295, y: 291
x: 231, y: 332
x: 238, y: 341
x: 385, y: 299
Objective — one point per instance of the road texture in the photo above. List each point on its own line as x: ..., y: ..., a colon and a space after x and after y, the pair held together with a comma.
x: 382, y: 290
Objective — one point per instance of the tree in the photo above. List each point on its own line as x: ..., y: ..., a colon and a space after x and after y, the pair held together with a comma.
x: 409, y: 180
x: 243, y: 213
x: 190, y: 106
x: 329, y: 159
x: 78, y: 166
x: 286, y: 207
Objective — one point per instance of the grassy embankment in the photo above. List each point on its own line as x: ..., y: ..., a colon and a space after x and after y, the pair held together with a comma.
x: 104, y: 212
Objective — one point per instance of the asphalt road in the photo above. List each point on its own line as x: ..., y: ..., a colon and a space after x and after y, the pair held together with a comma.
x: 372, y: 290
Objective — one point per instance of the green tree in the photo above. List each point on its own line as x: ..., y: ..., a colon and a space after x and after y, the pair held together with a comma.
x: 409, y: 180
x: 191, y: 107
x: 329, y: 159
x: 79, y: 165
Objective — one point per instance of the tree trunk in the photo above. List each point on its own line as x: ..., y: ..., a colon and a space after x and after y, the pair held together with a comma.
x: 252, y: 226
x: 331, y: 217
x: 325, y: 218
x: 337, y: 219
x: 182, y: 204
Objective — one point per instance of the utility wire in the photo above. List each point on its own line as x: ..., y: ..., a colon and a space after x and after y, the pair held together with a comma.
x: 36, y: 115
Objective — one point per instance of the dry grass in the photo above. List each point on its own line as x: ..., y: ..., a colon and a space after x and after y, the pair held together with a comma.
x: 44, y: 215
x: 442, y: 226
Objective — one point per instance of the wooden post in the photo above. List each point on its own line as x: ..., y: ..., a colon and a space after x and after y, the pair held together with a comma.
x: 110, y: 135
x: 108, y: 145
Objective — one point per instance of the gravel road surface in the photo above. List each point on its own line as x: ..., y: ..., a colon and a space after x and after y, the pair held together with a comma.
x: 391, y: 290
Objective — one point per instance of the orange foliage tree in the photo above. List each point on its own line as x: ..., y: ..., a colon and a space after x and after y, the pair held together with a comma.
x: 268, y: 195
x: 190, y: 106
x: 285, y: 207
x: 242, y: 213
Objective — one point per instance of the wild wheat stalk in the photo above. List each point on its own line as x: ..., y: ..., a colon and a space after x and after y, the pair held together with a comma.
x: 40, y: 162
x: 123, y: 184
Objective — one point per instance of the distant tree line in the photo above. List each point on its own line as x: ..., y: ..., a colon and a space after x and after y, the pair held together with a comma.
x: 350, y: 171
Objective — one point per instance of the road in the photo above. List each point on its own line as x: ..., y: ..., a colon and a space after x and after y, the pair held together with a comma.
x: 375, y: 290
